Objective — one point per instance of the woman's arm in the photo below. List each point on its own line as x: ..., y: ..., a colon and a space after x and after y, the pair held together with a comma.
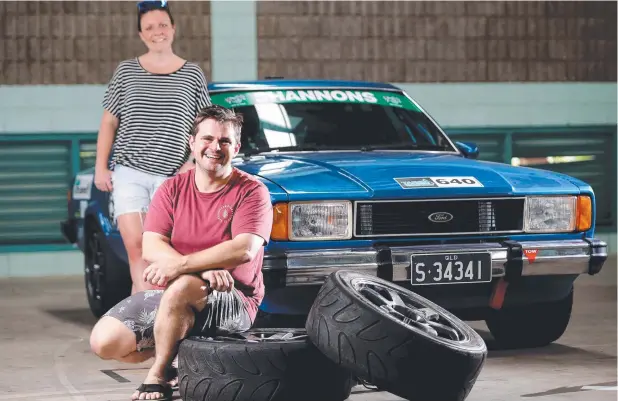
x: 189, y: 164
x: 105, y: 140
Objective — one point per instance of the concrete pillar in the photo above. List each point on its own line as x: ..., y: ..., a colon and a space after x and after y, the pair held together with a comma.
x: 234, y: 40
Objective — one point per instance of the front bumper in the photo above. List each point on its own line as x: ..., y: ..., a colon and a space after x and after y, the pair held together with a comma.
x: 509, y: 259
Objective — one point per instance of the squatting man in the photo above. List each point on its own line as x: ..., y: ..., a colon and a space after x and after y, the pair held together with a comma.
x: 204, y: 237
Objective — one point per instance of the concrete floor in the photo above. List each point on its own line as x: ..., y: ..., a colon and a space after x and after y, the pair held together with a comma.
x: 46, y: 324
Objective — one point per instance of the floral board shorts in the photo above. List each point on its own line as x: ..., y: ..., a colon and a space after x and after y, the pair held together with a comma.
x: 224, y: 313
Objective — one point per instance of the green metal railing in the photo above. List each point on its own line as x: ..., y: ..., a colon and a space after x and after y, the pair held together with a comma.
x: 587, y: 153
x: 36, y: 171
x: 35, y: 176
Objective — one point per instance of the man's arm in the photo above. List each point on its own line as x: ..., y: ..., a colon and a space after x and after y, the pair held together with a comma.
x: 158, y: 227
x: 226, y: 255
x: 156, y: 248
x: 251, y: 227
x: 167, y: 264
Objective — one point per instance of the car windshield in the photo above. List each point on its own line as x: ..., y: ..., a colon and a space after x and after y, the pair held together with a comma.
x: 289, y: 120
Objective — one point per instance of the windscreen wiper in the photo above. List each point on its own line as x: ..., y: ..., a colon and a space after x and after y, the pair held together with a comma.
x: 411, y: 146
x: 264, y: 149
x: 363, y: 148
x: 312, y: 147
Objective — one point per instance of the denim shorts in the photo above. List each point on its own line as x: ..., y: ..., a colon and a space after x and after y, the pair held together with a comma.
x: 133, y: 190
x: 224, y: 313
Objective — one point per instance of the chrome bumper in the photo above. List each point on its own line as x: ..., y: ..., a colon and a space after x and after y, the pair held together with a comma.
x: 509, y: 258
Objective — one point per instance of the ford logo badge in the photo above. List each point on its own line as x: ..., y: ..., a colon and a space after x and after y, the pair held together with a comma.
x: 440, y: 217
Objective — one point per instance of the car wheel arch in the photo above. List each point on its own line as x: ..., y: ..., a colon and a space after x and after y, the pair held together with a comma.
x: 116, y: 280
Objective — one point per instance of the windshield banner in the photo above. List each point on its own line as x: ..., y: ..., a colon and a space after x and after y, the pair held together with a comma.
x: 238, y: 99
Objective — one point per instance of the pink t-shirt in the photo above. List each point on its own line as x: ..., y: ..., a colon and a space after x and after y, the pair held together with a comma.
x: 195, y: 221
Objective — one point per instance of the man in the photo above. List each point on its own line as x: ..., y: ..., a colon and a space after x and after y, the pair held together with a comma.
x: 203, y: 237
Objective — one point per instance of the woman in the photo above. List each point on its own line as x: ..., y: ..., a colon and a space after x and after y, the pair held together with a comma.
x: 149, y: 106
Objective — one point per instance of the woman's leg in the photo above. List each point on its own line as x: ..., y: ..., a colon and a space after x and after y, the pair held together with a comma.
x: 130, y: 226
x: 131, y: 195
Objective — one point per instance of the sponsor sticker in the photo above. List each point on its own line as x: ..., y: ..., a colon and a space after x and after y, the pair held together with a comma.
x: 456, y: 181
x: 238, y: 99
x: 82, y: 186
x: 415, y: 182
x: 437, y: 182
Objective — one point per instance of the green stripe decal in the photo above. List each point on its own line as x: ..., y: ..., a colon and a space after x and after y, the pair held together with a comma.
x: 239, y: 99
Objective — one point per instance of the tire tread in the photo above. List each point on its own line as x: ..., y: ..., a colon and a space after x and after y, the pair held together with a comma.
x: 386, y: 354
x: 230, y: 371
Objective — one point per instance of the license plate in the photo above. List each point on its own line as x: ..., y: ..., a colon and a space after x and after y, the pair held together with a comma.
x: 450, y: 268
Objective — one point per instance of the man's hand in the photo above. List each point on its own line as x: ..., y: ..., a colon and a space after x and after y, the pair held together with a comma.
x: 220, y: 280
x: 162, y: 272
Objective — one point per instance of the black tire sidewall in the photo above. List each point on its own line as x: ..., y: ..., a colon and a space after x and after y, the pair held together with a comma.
x: 383, y: 351
x: 302, y: 371
x: 117, y: 279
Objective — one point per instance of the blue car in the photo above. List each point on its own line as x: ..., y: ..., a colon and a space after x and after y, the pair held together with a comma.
x: 362, y: 178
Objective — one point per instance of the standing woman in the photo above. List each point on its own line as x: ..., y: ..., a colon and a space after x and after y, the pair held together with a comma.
x: 149, y: 107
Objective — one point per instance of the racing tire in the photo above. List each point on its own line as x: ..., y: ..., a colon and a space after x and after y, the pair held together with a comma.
x: 277, y: 364
x: 107, y: 277
x: 530, y: 326
x: 395, y: 339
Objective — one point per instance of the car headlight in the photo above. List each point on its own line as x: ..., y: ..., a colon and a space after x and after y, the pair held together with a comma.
x: 550, y: 214
x: 307, y: 221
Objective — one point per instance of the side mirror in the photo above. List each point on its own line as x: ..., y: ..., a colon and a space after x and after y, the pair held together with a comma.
x: 469, y: 149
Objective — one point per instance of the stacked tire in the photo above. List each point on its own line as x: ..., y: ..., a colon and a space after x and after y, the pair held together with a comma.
x: 395, y: 339
x: 259, y: 365
x: 359, y: 328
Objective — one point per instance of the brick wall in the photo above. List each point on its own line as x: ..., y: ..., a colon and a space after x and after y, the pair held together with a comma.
x: 432, y: 41
x: 81, y: 42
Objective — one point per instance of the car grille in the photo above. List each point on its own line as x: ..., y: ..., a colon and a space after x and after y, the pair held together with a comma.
x: 411, y: 217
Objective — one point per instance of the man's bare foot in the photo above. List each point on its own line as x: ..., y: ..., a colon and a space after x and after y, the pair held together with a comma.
x: 153, y: 388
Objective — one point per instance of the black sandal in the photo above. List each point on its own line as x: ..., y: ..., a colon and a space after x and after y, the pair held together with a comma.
x: 171, y: 373
x: 166, y: 390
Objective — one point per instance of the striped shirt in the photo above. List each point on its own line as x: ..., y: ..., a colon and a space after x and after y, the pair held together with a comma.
x: 156, y: 113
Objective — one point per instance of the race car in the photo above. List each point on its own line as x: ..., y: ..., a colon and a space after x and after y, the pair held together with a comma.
x: 362, y: 178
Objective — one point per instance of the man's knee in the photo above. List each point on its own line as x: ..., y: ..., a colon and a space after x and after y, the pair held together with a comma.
x: 185, y: 290
x: 110, y: 339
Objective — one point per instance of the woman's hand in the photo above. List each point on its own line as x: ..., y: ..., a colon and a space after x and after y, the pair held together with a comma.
x: 103, y: 179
